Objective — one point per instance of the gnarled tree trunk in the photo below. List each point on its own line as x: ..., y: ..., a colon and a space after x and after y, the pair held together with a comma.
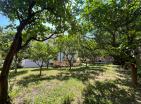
x: 4, y: 99
x: 15, y: 47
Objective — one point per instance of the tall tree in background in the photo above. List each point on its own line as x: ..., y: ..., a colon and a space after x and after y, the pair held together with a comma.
x: 120, y: 20
x: 50, y: 52
x: 33, y: 17
x: 41, y: 53
x: 37, y: 54
x: 69, y: 47
x: 89, y: 50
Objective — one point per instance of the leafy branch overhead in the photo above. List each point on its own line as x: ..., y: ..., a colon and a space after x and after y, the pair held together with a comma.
x: 38, y: 18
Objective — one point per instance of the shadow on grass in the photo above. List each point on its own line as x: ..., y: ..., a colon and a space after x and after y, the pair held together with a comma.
x: 95, y: 68
x: 13, y: 74
x: 52, y: 68
x: 127, y: 78
x: 128, y: 82
x: 82, y: 74
x: 77, y: 68
x: 107, y: 92
x: 43, y: 69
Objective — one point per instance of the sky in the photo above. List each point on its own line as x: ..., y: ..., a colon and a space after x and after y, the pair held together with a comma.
x: 3, y: 20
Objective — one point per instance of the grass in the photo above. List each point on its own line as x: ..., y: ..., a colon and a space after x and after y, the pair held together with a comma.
x: 99, y: 84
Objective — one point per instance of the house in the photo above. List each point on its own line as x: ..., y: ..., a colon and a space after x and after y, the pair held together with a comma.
x: 61, y: 60
x: 27, y: 63
x: 104, y: 59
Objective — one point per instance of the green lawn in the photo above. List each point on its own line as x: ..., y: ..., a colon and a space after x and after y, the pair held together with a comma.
x: 100, y: 84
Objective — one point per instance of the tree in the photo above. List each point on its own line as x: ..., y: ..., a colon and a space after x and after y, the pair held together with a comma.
x: 41, y: 53
x: 86, y: 49
x: 119, y: 19
x: 89, y: 50
x: 6, y: 37
x: 37, y: 54
x: 68, y: 47
x: 32, y: 16
x: 18, y: 59
x: 50, y: 52
x: 59, y: 43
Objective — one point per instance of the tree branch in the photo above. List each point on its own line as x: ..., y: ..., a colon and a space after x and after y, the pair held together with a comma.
x: 35, y: 38
x: 31, y: 5
x: 19, y: 16
x: 31, y: 14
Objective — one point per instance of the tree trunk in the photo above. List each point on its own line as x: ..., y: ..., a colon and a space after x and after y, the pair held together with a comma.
x: 70, y: 65
x: 40, y: 71
x: 47, y: 64
x: 134, y: 74
x: 14, y: 48
x: 4, y: 73
x: 16, y: 63
x: 4, y: 99
x: 113, y: 40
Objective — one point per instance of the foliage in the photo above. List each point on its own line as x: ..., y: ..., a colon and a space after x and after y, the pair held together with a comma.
x: 89, y: 50
x: 107, y: 27
x: 37, y: 20
x: 116, y: 25
x: 6, y: 38
x: 41, y: 53
x: 47, y: 16
x: 68, y: 45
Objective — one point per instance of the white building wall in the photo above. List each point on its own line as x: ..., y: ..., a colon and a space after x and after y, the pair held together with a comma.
x: 26, y: 63
x: 60, y: 56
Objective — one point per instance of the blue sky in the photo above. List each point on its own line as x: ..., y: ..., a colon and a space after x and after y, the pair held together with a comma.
x: 3, y: 20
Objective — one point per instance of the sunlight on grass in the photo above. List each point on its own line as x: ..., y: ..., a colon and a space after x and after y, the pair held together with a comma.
x: 71, y: 88
x: 52, y: 93
x: 107, y: 92
x: 43, y: 90
x: 99, y: 84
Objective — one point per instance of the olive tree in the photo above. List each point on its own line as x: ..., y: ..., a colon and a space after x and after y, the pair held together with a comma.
x: 33, y: 17
x: 41, y: 53
x: 68, y: 45
x: 120, y: 20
